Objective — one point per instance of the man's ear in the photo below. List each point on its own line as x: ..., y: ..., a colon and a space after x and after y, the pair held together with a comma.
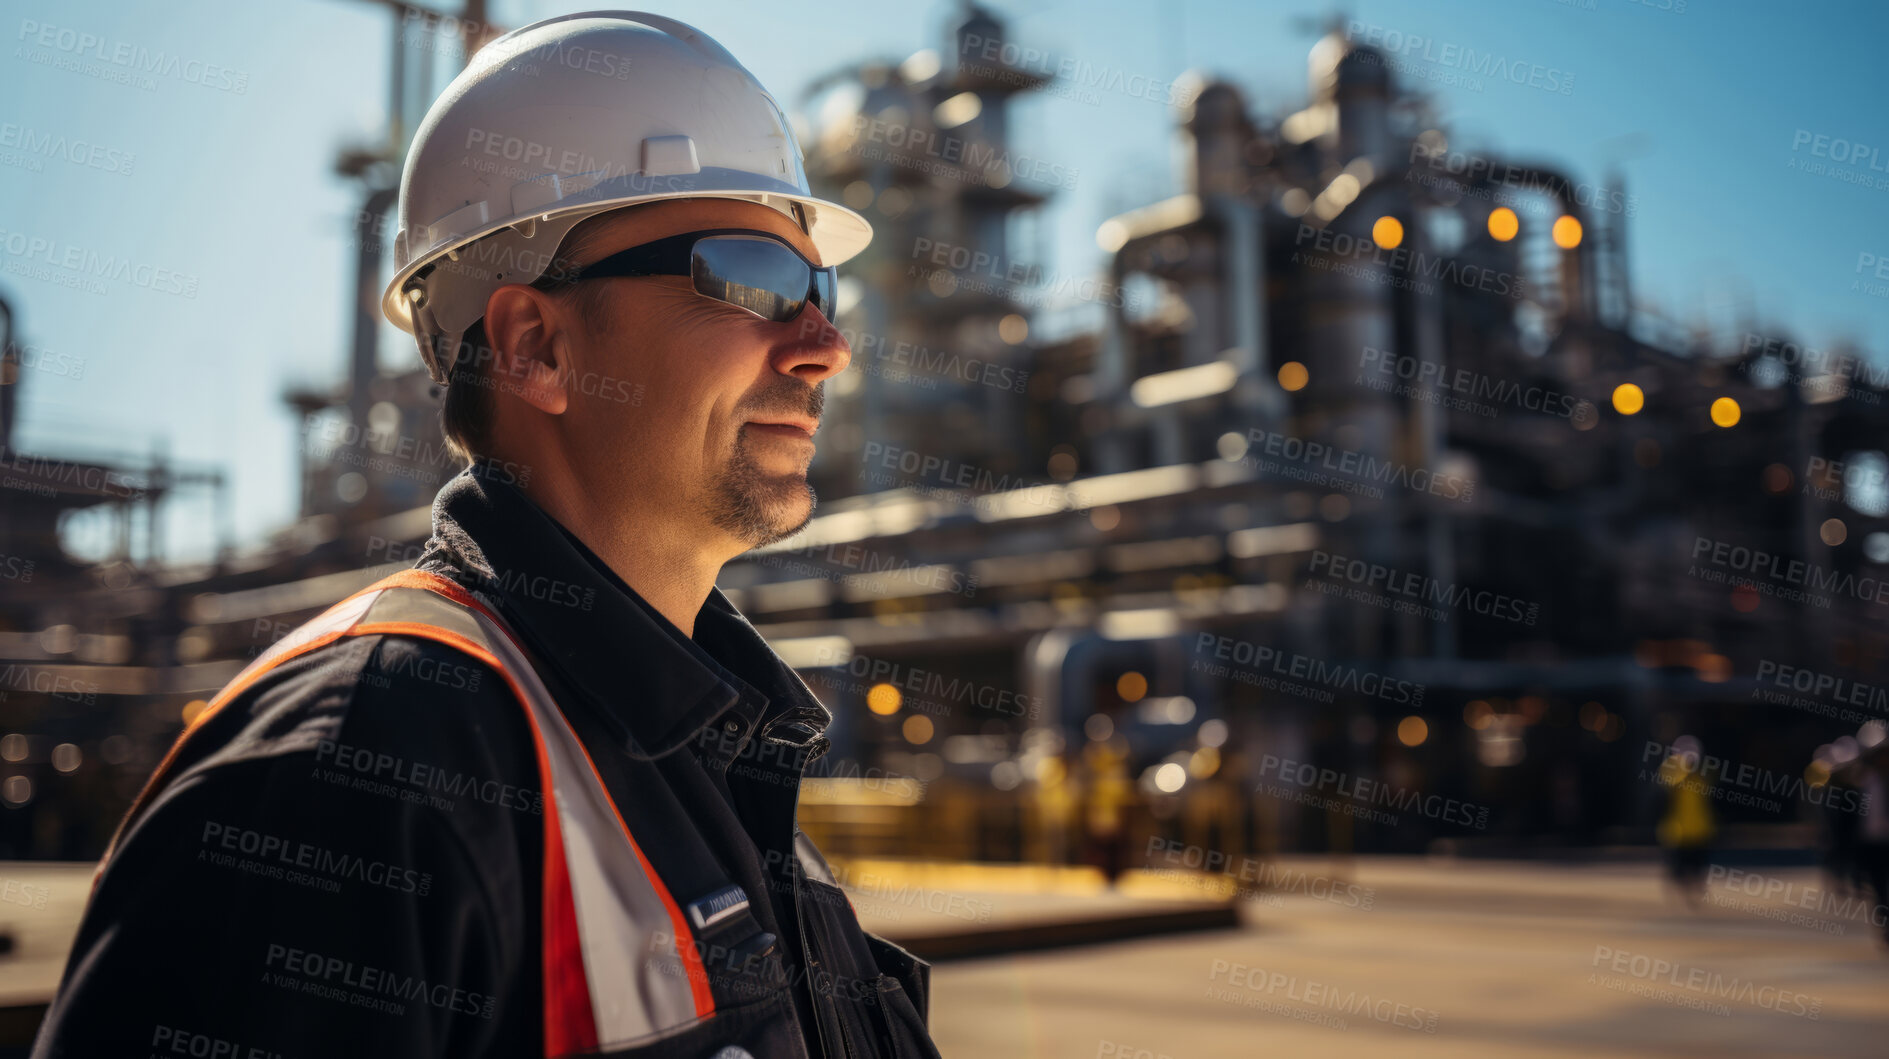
x: 531, y: 346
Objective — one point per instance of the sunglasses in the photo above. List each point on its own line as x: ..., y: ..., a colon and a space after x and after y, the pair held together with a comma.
x: 756, y: 271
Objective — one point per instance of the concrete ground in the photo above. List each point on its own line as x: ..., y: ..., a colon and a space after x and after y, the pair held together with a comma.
x: 1402, y: 957
x: 1377, y: 956
x: 40, y: 906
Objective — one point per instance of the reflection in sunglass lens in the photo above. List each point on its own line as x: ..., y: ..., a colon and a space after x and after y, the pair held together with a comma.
x: 823, y: 283
x: 757, y: 274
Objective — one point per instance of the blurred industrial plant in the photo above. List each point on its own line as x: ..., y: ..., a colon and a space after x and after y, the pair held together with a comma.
x: 1360, y: 454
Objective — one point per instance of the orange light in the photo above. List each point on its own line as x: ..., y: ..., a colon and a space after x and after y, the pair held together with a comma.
x: 1567, y: 232
x: 1713, y: 668
x: 1593, y: 716
x: 1628, y: 399
x: 1131, y: 686
x: 1293, y: 376
x: 883, y: 700
x: 1412, y: 731
x: 1744, y: 599
x: 917, y: 729
x: 1388, y: 232
x: 1503, y: 224
x: 1725, y: 412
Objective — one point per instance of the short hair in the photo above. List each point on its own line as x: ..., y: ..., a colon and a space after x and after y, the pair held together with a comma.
x: 465, y: 416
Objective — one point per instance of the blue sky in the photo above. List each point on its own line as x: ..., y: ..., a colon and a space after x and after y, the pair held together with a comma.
x: 231, y: 194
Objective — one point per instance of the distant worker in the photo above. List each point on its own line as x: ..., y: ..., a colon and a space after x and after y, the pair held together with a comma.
x: 1687, y: 827
x: 536, y: 796
x: 1872, y: 838
x: 1842, y: 825
x: 1109, y: 794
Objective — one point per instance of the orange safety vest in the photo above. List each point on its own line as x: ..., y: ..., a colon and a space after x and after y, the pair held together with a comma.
x: 604, y: 906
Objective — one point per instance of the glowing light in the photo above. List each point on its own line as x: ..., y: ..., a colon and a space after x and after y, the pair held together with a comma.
x: 1872, y: 733
x: 1713, y: 668
x: 1725, y: 412
x: 1293, y: 376
x: 1131, y: 686
x: 957, y: 110
x: 1388, y: 233
x: 1593, y: 716
x: 1203, y: 763
x: 917, y: 729
x: 883, y: 699
x: 1412, y: 731
x: 1864, y: 476
x: 1169, y: 778
x: 1503, y: 224
x: 1833, y: 532
x: 1876, y: 547
x: 1567, y: 232
x: 1628, y: 399
x: 1213, y: 733
x: 920, y: 66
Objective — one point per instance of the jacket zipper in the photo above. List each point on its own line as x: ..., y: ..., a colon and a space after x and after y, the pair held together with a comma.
x: 812, y: 967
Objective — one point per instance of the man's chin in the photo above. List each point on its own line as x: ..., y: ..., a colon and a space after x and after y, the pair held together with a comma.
x: 759, y: 511
x: 787, y: 517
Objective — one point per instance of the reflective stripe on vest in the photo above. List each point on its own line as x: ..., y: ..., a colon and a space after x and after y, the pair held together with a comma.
x: 610, y: 977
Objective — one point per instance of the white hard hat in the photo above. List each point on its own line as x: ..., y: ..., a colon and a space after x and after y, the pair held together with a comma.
x: 568, y: 118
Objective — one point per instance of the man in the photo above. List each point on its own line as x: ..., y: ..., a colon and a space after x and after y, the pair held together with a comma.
x: 537, y: 795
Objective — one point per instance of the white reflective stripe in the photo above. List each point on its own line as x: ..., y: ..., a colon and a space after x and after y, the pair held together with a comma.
x: 619, y: 914
x: 336, y: 619
x: 638, y: 983
x: 423, y: 607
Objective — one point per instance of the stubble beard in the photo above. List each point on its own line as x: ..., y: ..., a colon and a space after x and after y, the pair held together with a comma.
x: 754, y: 506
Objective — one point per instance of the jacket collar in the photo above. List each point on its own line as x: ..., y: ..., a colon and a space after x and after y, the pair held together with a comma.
x: 651, y: 684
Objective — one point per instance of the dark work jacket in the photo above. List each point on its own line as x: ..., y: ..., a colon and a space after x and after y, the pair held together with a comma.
x: 368, y: 814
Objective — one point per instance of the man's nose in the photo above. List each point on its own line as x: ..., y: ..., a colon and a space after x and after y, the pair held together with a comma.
x: 813, y: 350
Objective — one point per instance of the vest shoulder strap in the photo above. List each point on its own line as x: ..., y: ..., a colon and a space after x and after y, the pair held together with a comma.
x: 620, y: 962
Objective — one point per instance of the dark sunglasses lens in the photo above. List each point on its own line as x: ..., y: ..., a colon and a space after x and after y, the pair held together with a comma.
x: 759, y: 275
